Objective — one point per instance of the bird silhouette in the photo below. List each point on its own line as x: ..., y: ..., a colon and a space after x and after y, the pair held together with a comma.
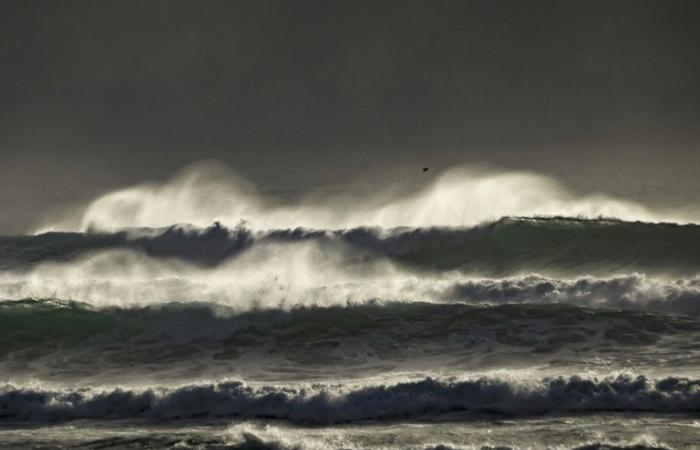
x: 425, y: 169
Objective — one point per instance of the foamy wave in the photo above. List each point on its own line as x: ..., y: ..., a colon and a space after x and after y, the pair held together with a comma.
x: 286, y: 276
x: 462, y: 196
x: 635, y: 291
x: 249, y: 440
x: 335, y: 404
x: 555, y: 245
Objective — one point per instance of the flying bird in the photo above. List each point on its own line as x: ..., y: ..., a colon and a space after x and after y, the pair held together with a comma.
x: 425, y: 169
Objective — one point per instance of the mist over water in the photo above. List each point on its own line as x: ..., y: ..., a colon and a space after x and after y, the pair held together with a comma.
x: 462, y: 196
x: 306, y: 275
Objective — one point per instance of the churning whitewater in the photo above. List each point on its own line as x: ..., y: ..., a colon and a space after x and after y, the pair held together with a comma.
x: 483, y: 311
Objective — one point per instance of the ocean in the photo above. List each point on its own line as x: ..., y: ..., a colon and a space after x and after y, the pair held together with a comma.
x: 539, y: 332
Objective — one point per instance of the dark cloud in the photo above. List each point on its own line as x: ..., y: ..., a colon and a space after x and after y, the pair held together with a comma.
x: 96, y: 94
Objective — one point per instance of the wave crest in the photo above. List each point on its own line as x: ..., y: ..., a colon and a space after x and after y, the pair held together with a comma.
x: 509, y: 246
x: 462, y: 196
x: 335, y: 404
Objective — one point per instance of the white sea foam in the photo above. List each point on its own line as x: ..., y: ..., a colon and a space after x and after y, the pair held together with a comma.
x: 285, y: 275
x: 461, y: 196
x: 329, y: 404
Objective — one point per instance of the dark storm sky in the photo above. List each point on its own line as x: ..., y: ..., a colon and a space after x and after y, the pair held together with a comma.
x: 307, y: 94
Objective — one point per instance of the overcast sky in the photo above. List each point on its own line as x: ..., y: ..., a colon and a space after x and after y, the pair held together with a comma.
x: 294, y: 95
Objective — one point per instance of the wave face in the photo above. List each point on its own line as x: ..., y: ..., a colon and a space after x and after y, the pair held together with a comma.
x: 319, y: 405
x: 178, y: 342
x: 505, y: 247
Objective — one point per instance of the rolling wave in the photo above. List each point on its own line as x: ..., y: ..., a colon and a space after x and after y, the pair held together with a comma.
x: 329, y: 404
x: 252, y: 441
x: 58, y: 341
x: 284, y: 278
x: 261, y: 440
x: 508, y: 246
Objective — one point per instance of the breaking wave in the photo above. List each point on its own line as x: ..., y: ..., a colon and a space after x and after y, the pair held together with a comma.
x: 508, y: 246
x: 328, y: 404
x: 462, y: 196
x: 307, y: 276
x: 249, y: 440
x: 257, y: 440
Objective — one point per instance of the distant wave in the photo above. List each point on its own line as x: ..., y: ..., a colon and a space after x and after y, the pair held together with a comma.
x: 320, y: 405
x: 508, y: 246
x: 461, y: 196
